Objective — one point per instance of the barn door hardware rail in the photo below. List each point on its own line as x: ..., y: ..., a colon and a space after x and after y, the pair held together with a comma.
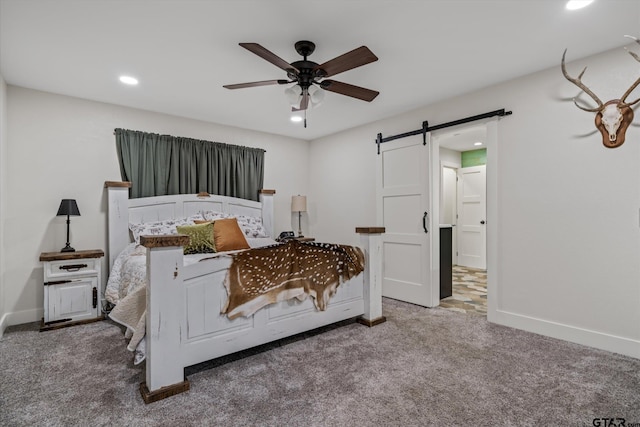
x: 426, y: 128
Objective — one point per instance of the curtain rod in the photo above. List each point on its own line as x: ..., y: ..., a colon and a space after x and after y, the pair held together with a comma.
x: 426, y: 128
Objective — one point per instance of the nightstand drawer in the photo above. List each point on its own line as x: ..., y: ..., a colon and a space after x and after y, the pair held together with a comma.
x: 71, y: 268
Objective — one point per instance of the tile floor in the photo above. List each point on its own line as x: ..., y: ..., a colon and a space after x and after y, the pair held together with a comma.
x: 469, y: 291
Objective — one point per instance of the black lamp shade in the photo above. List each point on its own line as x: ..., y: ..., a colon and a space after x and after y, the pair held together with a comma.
x: 68, y: 207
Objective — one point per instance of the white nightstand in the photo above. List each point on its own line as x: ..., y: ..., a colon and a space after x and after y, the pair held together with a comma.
x: 72, y: 288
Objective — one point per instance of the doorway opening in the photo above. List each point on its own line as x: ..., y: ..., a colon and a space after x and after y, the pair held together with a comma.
x: 462, y: 212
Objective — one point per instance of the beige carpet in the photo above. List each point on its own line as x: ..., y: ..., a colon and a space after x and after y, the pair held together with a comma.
x: 423, y: 367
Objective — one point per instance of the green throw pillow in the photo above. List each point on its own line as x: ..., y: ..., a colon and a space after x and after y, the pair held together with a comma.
x: 201, y: 238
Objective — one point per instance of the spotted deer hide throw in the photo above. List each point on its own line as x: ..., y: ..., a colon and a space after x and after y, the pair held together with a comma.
x: 262, y: 276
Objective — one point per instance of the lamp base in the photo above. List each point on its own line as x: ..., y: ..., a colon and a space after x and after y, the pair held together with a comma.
x: 67, y: 249
x: 300, y: 224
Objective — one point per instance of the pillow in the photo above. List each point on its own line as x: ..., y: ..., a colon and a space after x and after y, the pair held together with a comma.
x: 213, y: 215
x: 252, y: 226
x: 228, y: 236
x: 192, y: 218
x: 201, y: 238
x: 156, y: 228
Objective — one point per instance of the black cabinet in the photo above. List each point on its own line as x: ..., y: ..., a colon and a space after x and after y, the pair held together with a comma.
x: 446, y: 255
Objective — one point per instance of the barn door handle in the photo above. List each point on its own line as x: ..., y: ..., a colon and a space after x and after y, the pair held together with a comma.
x: 424, y: 221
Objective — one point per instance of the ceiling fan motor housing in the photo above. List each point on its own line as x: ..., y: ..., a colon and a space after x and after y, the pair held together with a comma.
x: 306, y: 75
x: 305, y: 48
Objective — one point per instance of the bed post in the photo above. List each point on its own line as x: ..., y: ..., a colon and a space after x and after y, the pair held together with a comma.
x: 165, y: 372
x: 371, y: 242
x: 118, y: 217
x: 266, y: 198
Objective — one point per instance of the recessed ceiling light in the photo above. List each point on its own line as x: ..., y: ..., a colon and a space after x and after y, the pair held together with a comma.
x: 578, y: 4
x: 477, y: 143
x: 128, y: 80
x: 296, y: 119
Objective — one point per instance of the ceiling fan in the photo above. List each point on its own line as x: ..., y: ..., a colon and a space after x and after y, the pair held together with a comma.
x: 309, y: 75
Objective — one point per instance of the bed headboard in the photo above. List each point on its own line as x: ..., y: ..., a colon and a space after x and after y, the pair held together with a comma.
x: 122, y: 211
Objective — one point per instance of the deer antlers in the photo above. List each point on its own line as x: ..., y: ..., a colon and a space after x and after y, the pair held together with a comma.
x: 612, y: 117
x: 578, y: 82
x: 633, y: 86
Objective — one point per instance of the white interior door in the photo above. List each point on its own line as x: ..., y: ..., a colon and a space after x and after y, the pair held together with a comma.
x: 403, y: 207
x: 472, y: 208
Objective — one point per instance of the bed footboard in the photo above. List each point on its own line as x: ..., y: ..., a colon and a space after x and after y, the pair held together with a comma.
x: 184, y: 327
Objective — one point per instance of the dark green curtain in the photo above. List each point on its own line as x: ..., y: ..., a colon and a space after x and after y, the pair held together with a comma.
x: 162, y: 164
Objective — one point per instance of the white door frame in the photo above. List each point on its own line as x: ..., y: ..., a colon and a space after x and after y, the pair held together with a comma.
x: 455, y: 166
x: 493, y: 253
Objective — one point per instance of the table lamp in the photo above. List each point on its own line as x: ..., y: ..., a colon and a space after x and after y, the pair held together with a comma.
x: 299, y: 204
x: 68, y: 207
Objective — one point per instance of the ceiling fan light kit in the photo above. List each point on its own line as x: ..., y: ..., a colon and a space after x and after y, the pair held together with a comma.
x: 309, y: 77
x: 317, y: 95
x: 293, y: 94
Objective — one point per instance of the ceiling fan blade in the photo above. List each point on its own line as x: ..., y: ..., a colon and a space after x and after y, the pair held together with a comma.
x: 269, y: 56
x: 355, y: 58
x: 254, y: 84
x: 349, y: 90
x: 304, y: 103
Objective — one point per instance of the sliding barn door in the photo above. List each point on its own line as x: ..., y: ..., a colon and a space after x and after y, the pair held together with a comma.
x: 403, y: 207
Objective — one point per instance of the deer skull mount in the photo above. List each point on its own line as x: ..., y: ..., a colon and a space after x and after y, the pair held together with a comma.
x: 612, y: 117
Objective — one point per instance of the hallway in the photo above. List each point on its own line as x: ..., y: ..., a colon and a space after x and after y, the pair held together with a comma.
x: 469, y: 291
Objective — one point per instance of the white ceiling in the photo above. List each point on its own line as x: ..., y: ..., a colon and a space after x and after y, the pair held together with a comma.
x: 463, y: 139
x: 184, y: 51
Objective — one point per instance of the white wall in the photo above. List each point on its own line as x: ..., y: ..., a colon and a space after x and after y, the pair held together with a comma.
x: 449, y: 160
x: 448, y: 192
x: 450, y: 157
x: 3, y: 185
x: 567, y: 237
x: 62, y: 147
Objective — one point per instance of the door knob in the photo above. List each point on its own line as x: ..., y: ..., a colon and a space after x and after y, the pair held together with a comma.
x: 482, y: 222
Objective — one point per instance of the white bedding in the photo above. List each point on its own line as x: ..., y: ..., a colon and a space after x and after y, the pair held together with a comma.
x: 129, y: 269
x: 128, y: 278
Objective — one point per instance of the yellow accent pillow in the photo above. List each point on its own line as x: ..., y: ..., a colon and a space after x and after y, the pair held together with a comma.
x: 200, y: 238
x: 227, y: 235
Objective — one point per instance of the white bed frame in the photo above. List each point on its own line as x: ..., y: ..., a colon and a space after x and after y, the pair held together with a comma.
x: 184, y: 324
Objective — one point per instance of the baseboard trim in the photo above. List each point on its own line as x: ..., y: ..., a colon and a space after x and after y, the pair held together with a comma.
x: 3, y: 324
x: 599, y: 340
x: 20, y: 317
